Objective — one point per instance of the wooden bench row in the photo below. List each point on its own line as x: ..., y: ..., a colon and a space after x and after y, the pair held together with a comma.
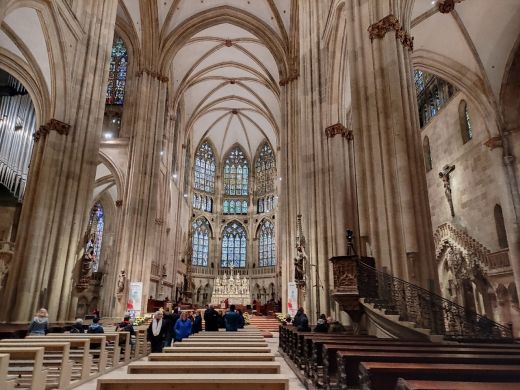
x: 216, y: 362
x: 344, y: 362
x: 61, y: 360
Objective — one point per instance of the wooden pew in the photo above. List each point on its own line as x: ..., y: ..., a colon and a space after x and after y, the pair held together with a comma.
x: 112, y: 348
x: 99, y: 355
x: 142, y: 347
x: 125, y: 343
x: 209, y: 350
x: 384, y: 376
x: 220, y: 340
x: 27, y: 364
x: 226, y: 356
x: 403, y: 384
x: 56, y: 360
x: 219, y: 344
x: 204, y: 367
x: 6, y: 382
x: 349, y: 361
x: 79, y: 353
x: 330, y: 350
x: 194, y: 382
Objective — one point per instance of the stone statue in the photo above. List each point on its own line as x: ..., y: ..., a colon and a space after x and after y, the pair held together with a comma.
x: 121, y: 281
x: 299, y: 265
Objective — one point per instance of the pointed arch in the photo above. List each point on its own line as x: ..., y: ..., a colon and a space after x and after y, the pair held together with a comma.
x: 234, y: 245
x: 236, y: 172
x: 266, y: 244
x: 265, y: 169
x: 201, y: 230
x: 204, y: 168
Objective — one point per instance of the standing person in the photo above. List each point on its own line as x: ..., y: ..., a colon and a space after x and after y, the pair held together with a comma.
x: 211, y: 318
x: 95, y: 327
x: 297, y: 317
x: 303, y: 323
x: 182, y: 327
x: 157, y: 332
x: 197, y: 323
x: 168, y: 320
x: 232, y: 319
x: 241, y: 320
x: 40, y: 323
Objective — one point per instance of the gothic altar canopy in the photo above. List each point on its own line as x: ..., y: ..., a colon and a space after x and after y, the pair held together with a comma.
x: 233, y: 288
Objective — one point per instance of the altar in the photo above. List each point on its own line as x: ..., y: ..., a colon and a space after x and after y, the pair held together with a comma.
x: 234, y: 289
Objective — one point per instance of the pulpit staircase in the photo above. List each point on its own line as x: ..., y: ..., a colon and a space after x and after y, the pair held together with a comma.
x: 407, y: 310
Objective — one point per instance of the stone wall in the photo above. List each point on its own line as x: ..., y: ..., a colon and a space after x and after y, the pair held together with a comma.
x: 474, y: 180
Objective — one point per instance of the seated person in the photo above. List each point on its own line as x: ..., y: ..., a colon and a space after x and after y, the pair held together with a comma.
x: 78, y: 326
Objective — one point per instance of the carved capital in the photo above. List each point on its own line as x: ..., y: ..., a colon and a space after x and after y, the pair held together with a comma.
x: 338, y: 128
x: 153, y: 74
x: 53, y: 124
x: 494, y: 142
x: 389, y: 23
x: 293, y: 75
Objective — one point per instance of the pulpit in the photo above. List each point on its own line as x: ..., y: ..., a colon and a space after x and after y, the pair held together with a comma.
x: 348, y: 281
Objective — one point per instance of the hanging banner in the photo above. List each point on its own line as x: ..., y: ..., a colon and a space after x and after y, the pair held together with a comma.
x: 135, y: 297
x: 292, y: 299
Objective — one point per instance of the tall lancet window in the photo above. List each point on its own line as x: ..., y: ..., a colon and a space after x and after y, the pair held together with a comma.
x: 95, y: 228
x: 117, y: 73
x: 204, y: 169
x: 266, y: 247
x: 265, y: 172
x: 236, y: 173
x: 234, y: 246
x: 200, y: 242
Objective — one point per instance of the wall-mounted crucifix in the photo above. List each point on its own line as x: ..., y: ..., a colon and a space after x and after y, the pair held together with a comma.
x: 445, y: 177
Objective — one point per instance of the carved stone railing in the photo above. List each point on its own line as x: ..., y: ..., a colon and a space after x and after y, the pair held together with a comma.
x: 259, y: 271
x: 498, y: 259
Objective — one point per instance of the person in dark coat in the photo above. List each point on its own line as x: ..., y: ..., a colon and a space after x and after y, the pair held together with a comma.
x: 197, y: 323
x: 211, y: 318
x: 78, y: 326
x: 232, y: 319
x: 297, y: 317
x: 156, y: 333
x: 95, y: 327
x: 168, y: 320
x: 241, y: 320
x: 303, y: 324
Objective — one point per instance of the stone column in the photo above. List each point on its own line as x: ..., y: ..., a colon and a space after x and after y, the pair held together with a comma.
x: 141, y: 217
x: 61, y: 178
x: 394, y: 219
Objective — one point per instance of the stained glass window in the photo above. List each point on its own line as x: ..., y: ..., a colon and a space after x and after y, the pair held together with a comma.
x: 235, y: 206
x: 236, y: 173
x: 96, y: 225
x: 428, y: 162
x: 266, y: 247
x: 117, y: 73
x: 201, y: 202
x: 465, y: 122
x: 205, y: 169
x: 265, y: 205
x: 234, y: 246
x: 200, y: 242
x: 432, y: 94
x: 265, y: 170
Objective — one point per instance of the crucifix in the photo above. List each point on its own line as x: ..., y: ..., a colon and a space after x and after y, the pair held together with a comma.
x: 444, y: 175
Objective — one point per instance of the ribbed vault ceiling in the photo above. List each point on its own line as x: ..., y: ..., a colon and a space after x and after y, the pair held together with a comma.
x: 228, y: 82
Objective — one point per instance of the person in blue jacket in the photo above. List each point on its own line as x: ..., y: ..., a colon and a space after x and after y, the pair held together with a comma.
x: 232, y: 319
x: 182, y: 327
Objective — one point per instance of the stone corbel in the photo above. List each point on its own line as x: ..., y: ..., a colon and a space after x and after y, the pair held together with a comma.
x: 494, y: 142
x: 53, y: 124
x: 389, y: 23
x: 119, y: 203
x: 154, y: 74
x: 446, y: 6
x: 338, y: 128
x: 292, y: 77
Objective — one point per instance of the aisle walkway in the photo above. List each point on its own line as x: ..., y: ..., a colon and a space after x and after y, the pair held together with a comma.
x: 294, y: 383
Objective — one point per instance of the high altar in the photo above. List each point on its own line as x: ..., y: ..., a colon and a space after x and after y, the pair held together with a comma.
x: 235, y: 289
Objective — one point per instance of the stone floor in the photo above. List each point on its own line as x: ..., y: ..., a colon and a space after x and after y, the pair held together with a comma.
x: 294, y: 382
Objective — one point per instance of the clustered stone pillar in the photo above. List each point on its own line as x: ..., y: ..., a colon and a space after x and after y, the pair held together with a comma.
x: 61, y: 178
x: 393, y: 204
x: 141, y: 217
